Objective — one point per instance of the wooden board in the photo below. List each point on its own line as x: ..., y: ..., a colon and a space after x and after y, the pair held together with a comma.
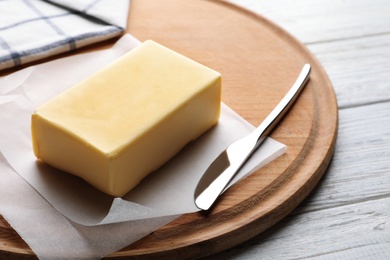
x: 259, y: 62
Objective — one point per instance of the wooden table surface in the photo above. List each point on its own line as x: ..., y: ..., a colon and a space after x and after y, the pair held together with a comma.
x: 347, y: 216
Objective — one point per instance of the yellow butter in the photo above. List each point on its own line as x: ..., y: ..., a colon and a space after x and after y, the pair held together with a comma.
x: 125, y: 121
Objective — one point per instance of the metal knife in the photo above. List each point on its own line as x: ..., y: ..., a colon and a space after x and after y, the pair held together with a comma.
x: 226, y: 165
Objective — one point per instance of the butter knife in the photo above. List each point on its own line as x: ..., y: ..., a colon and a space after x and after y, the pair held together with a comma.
x: 226, y: 165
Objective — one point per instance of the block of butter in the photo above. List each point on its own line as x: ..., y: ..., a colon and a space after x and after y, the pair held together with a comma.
x: 125, y: 121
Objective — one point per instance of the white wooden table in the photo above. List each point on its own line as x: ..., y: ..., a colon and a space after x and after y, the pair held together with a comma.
x: 347, y: 216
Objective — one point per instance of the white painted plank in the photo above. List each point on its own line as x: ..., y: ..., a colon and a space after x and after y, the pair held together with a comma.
x: 325, y: 20
x: 346, y: 232
x: 360, y: 169
x: 358, y: 68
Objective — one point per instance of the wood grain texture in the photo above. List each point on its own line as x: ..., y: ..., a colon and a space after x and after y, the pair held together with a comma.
x: 259, y: 63
x: 359, y: 83
x: 348, y: 214
x: 325, y: 21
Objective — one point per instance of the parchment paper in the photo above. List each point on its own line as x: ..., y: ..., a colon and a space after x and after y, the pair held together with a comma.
x: 60, y: 215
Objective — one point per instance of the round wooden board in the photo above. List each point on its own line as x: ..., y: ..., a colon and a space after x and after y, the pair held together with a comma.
x: 259, y: 62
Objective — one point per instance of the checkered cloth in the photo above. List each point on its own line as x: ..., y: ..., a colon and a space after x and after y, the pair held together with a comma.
x: 34, y: 29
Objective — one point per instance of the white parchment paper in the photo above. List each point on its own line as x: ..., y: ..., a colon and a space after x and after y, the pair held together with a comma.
x: 61, y: 216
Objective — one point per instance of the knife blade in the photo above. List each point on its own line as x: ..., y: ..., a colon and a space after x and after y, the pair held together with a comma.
x: 228, y: 163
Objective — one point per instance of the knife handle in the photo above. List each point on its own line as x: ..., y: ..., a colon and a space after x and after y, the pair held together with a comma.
x: 226, y: 165
x: 284, y: 105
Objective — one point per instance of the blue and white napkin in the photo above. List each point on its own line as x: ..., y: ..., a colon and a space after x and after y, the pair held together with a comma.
x: 34, y: 29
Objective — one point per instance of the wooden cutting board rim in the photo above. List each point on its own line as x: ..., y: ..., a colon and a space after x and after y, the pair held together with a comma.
x: 243, y: 215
